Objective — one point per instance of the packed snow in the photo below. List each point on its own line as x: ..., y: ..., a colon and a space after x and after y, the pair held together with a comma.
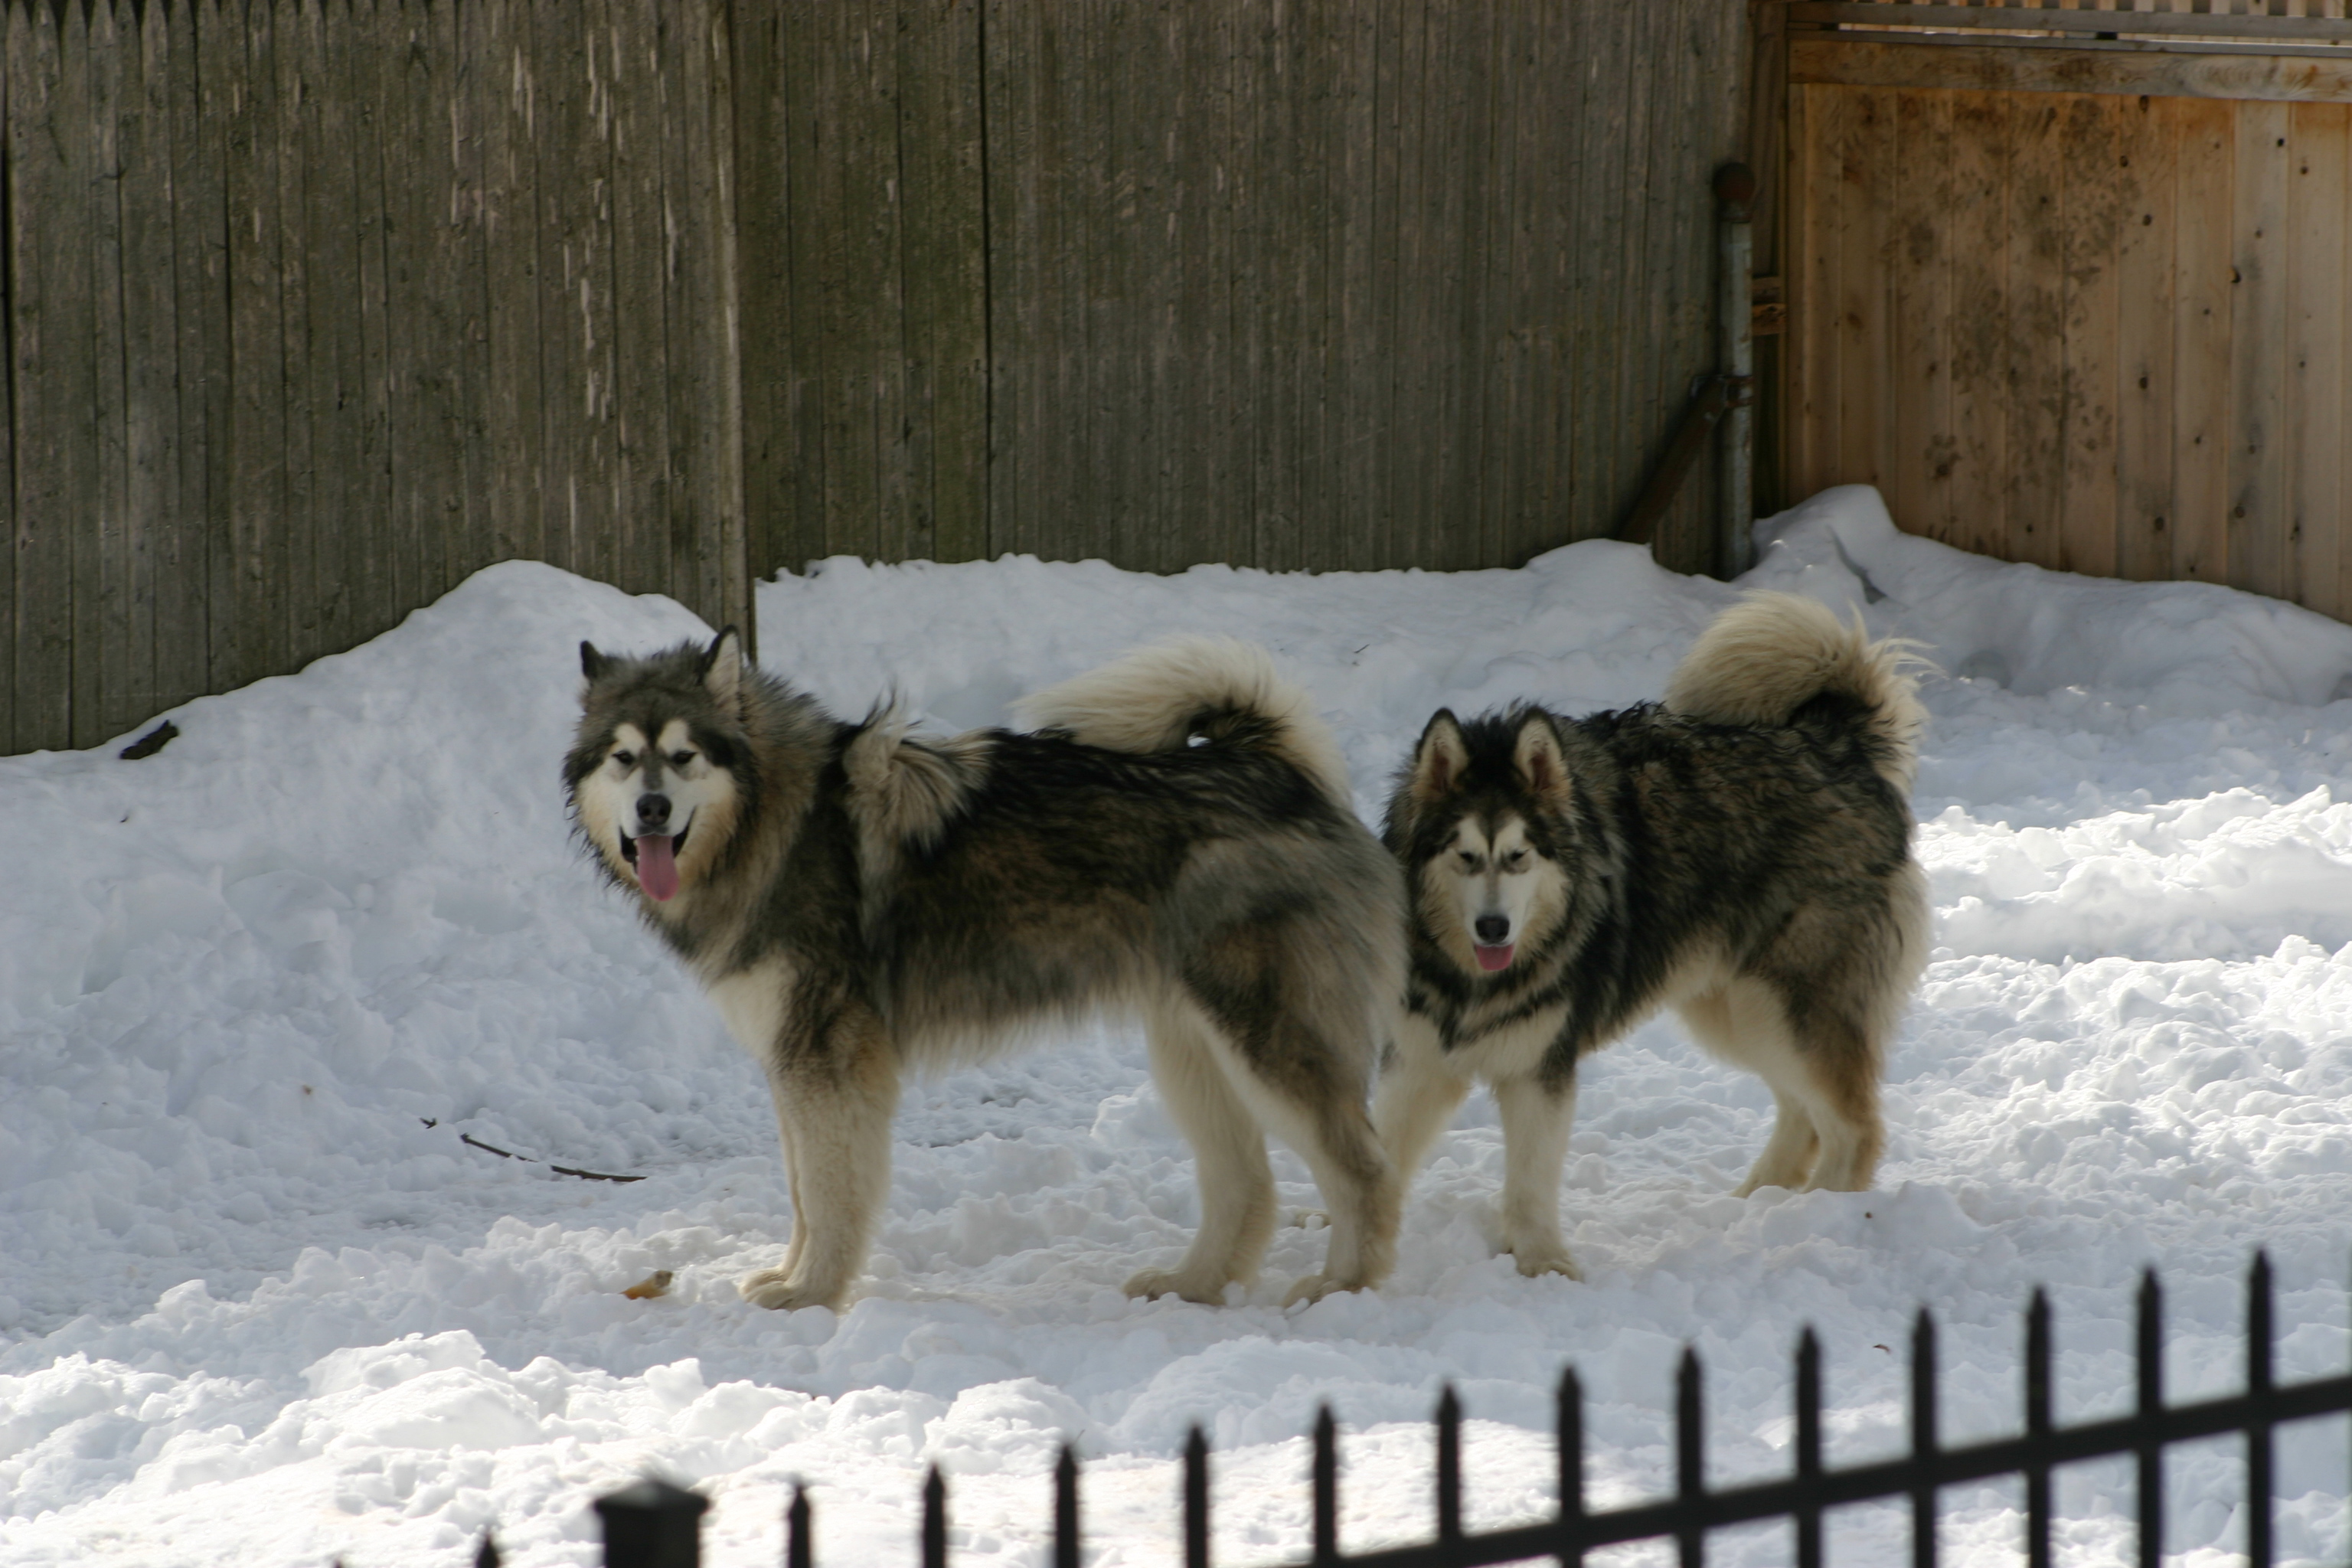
x: 263, y: 1303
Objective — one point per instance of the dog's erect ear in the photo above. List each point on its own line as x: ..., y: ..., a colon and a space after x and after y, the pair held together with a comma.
x: 591, y: 663
x: 722, y: 670
x: 1536, y: 756
x: 1438, y: 760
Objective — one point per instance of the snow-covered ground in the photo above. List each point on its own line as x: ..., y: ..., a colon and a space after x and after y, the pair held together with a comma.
x: 259, y: 1304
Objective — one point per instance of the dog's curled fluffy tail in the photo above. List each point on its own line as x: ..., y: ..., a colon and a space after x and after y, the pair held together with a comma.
x: 1771, y: 654
x: 1157, y: 699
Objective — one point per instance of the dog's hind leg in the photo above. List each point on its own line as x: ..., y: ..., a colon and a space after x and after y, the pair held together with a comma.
x: 1228, y: 1152
x: 1743, y: 1023
x: 1822, y: 1068
x: 1537, y: 1117
x: 835, y: 1090
x: 1418, y: 1093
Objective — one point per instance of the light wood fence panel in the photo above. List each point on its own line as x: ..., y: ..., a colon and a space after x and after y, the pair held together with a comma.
x: 2066, y: 302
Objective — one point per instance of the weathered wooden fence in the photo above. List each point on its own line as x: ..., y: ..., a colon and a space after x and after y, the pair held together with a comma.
x: 312, y: 307
x: 2070, y: 282
x: 1291, y: 283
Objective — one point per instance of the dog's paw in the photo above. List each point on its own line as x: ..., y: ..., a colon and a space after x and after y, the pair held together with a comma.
x: 776, y: 1289
x: 1154, y: 1283
x: 1314, y: 1287
x: 1311, y: 1219
x: 1545, y: 1257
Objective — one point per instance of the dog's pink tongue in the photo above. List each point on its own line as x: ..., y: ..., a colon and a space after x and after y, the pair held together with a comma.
x: 1492, y: 958
x: 656, y: 867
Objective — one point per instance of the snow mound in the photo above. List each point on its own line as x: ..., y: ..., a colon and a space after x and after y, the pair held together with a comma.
x: 271, y: 998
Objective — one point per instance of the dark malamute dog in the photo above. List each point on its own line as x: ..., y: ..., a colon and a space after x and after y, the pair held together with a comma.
x: 1176, y: 841
x: 1741, y: 853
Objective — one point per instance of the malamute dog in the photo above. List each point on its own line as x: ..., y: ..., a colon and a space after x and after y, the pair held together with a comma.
x: 1741, y: 853
x: 1175, y: 841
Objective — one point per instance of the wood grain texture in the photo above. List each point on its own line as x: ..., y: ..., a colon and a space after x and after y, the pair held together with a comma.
x: 381, y: 291
x: 2147, y: 162
x: 2319, y: 168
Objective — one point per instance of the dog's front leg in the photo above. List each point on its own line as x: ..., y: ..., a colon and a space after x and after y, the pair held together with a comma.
x: 1536, y: 1116
x: 837, y: 1086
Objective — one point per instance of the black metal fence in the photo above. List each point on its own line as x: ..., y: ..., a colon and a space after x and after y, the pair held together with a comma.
x: 652, y: 1525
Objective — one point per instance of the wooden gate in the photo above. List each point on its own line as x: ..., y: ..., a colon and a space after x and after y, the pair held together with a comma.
x: 2069, y: 282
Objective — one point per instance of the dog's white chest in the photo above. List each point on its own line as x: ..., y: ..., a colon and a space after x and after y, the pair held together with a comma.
x: 752, y: 1002
x: 1514, y: 1051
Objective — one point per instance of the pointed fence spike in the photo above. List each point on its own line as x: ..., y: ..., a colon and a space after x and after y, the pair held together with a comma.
x: 1065, y: 1509
x: 2261, y: 1482
x: 2037, y: 1424
x: 1923, y: 1440
x: 935, y: 1520
x: 797, y: 1544
x: 1690, y: 1459
x: 487, y: 1555
x: 1449, y: 1466
x: 1809, y: 1448
x: 1570, y: 1437
x: 1196, y: 1501
x: 2151, y: 1410
x: 1327, y: 1486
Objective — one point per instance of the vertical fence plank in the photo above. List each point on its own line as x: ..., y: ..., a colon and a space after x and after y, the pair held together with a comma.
x: 151, y: 393
x: 1864, y: 342
x: 1982, y: 159
x: 294, y: 91
x: 500, y: 35
x: 801, y: 397
x: 639, y: 35
x: 946, y: 276
x: 761, y: 268
x: 133, y: 450
x: 260, y: 502
x: 88, y: 519
x: 1920, y: 484
x: 1812, y: 284
x: 2090, y: 170
x: 1011, y: 67
x: 55, y: 463
x: 2259, y: 557
x: 2035, y: 456
x: 2200, y: 367
x: 2320, y: 139
x: 2145, y: 511
x: 341, y: 500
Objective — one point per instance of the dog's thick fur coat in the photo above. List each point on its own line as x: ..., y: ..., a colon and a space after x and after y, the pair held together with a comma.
x: 1740, y: 853
x: 1175, y: 841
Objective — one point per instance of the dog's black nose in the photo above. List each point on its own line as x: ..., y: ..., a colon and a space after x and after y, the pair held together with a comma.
x: 653, y: 811
x: 1492, y: 929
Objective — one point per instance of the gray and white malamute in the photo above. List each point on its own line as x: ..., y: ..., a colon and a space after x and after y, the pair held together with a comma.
x: 1741, y: 853
x: 1174, y: 842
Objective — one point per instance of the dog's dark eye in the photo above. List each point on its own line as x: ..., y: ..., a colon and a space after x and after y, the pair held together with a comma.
x: 1515, y: 860
x: 680, y: 759
x: 1469, y: 861
x: 627, y: 759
